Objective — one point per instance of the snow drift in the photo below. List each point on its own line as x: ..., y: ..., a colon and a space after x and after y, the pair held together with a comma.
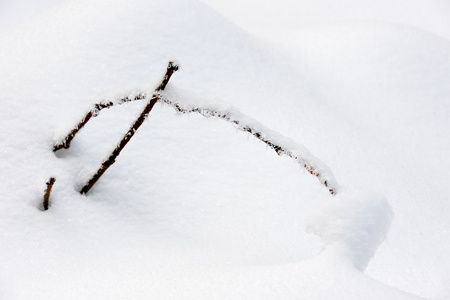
x: 356, y: 224
x: 191, y: 209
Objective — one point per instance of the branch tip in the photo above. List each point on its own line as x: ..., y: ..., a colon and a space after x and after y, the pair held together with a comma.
x: 46, y: 200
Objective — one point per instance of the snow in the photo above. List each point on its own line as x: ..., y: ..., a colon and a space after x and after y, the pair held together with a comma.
x: 270, y: 18
x: 193, y: 209
x: 357, y: 222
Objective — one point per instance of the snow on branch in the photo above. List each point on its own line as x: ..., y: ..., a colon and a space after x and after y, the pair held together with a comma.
x: 65, y: 142
x: 133, y: 94
x: 185, y: 102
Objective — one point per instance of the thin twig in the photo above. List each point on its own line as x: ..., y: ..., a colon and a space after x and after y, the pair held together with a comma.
x: 280, y: 150
x: 49, y: 184
x: 171, y: 68
x: 331, y: 185
x: 327, y: 180
x: 65, y: 143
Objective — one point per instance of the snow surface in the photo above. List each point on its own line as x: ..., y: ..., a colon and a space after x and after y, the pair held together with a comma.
x: 194, y: 210
x: 356, y: 223
x: 269, y: 18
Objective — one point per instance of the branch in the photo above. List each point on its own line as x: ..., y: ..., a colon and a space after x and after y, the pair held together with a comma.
x: 279, y: 144
x: 49, y: 183
x: 171, y: 68
x: 65, y: 143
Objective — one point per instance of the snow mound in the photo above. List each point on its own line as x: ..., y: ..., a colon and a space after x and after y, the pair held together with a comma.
x: 355, y: 222
x: 188, y: 198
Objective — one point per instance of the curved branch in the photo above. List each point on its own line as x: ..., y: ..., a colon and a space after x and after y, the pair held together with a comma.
x: 279, y: 144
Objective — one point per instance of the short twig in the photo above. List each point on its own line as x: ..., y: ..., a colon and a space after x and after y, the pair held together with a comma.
x: 171, y: 68
x: 46, y: 201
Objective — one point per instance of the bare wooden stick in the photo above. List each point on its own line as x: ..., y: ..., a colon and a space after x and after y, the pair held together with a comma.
x: 171, y: 68
x: 46, y: 201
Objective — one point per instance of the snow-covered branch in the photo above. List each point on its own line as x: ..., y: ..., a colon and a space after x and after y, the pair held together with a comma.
x: 48, y: 190
x: 65, y: 143
x: 184, y: 102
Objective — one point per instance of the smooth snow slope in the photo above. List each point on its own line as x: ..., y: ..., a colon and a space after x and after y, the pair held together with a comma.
x: 13, y: 13
x: 269, y: 18
x: 396, y: 93
x: 191, y: 209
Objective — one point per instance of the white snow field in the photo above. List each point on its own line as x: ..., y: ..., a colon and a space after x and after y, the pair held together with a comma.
x: 193, y: 208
